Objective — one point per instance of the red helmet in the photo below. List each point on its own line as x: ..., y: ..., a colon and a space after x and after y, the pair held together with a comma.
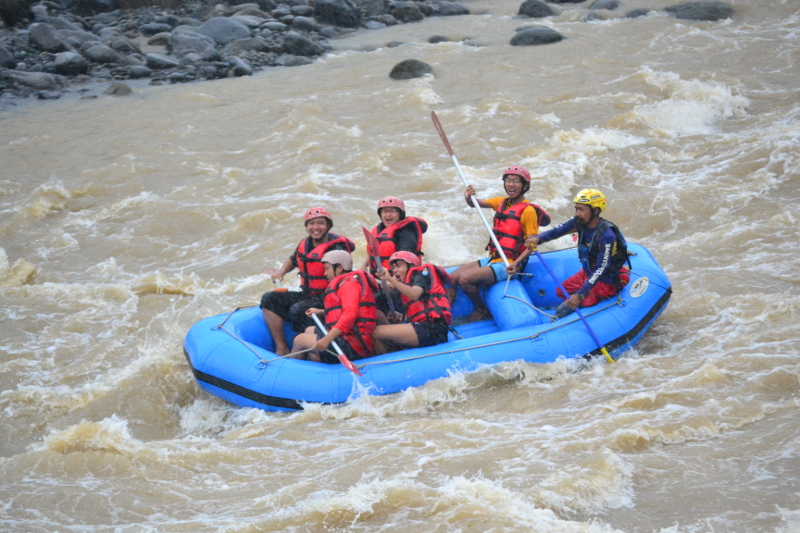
x: 519, y: 171
x: 410, y: 258
x: 316, y: 212
x: 392, y: 201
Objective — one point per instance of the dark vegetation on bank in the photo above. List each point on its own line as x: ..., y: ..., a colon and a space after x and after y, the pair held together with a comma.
x: 47, y: 46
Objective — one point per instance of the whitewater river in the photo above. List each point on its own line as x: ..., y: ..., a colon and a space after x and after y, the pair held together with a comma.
x: 123, y: 221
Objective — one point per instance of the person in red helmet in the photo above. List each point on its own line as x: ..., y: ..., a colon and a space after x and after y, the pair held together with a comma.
x: 350, y: 315
x: 279, y: 307
x: 396, y: 232
x: 423, y: 292
x: 514, y: 219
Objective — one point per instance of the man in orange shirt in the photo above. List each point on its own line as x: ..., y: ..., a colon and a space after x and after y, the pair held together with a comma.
x: 515, y: 218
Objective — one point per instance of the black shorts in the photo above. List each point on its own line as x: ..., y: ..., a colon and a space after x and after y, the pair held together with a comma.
x: 431, y: 332
x: 331, y: 356
x: 382, y: 302
x: 291, y: 306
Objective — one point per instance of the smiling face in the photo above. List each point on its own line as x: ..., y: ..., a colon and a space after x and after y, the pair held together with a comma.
x: 514, y: 185
x: 317, y: 227
x: 390, y: 215
x: 399, y: 269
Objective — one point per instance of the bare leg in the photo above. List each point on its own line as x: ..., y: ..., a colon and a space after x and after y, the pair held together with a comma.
x: 386, y: 337
x: 275, y: 327
x: 471, y: 281
x: 304, y: 341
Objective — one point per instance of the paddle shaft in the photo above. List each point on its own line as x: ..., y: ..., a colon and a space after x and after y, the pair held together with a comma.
x: 342, y: 357
x: 577, y: 310
x: 372, y: 248
x: 473, y: 198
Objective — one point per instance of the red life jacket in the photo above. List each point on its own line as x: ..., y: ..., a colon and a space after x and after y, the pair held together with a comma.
x: 387, y: 245
x: 508, y: 228
x: 360, y: 336
x: 435, y: 303
x: 309, y: 262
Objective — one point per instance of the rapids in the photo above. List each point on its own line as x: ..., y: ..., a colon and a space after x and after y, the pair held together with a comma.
x: 123, y: 221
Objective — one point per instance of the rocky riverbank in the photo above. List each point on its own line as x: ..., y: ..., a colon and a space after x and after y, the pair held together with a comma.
x: 48, y: 47
x: 51, y: 47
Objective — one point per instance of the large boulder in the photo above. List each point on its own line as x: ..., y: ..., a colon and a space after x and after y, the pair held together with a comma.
x: 44, y: 38
x: 76, y: 36
x: 36, y: 80
x: 297, y: 45
x: 223, y: 30
x: 410, y: 68
x: 337, y: 12
x: 101, y: 53
x: 184, y: 42
x: 6, y: 58
x: 535, y: 35
x: 14, y: 11
x: 407, y: 12
x: 448, y: 9
x: 610, y: 5
x: 70, y: 64
x: 160, y: 61
x: 701, y: 10
x: 536, y: 9
x: 636, y: 13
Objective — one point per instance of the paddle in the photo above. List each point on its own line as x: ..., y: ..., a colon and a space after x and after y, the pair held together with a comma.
x: 474, y: 199
x: 577, y: 310
x: 372, y: 250
x: 342, y: 357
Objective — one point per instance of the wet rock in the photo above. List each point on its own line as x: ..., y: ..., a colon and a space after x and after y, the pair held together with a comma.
x: 701, y: 10
x: 566, y: 1
x: 36, y: 80
x: 636, y: 13
x: 211, y: 55
x: 304, y: 24
x: 302, y: 11
x: 448, y: 9
x: 160, y: 61
x: 78, y: 36
x: 394, y: 44
x: 251, y: 12
x: 60, y: 23
x: 70, y: 64
x: 435, y: 39
x: 159, y: 39
x: 177, y: 77
x: 425, y: 9
x: 407, y: 12
x: 266, y: 5
x: 328, y: 32
x: 148, y: 30
x: 250, y: 22
x: 44, y: 38
x: 6, y: 58
x: 274, y: 25
x: 296, y: 44
x: 183, y: 42
x: 190, y: 59
x: 410, y: 68
x: 15, y: 11
x: 122, y: 45
x: 223, y: 30
x: 536, y: 9
x: 235, y: 48
x: 239, y: 67
x: 536, y: 35
x: 169, y: 20
x: 388, y: 19
x: 374, y: 25
x: 610, y: 5
x: 118, y: 89
x: 49, y: 95
x: 140, y: 71
x: 101, y: 53
x: 343, y: 13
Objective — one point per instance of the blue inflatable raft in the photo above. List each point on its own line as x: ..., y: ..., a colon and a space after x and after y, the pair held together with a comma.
x: 231, y: 354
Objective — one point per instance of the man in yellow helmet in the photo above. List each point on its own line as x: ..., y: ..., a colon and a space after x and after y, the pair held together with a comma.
x: 602, y: 251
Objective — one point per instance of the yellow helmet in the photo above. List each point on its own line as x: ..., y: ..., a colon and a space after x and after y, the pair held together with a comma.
x: 591, y: 197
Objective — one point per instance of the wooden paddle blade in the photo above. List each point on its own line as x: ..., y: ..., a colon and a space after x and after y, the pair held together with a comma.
x: 438, y: 126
